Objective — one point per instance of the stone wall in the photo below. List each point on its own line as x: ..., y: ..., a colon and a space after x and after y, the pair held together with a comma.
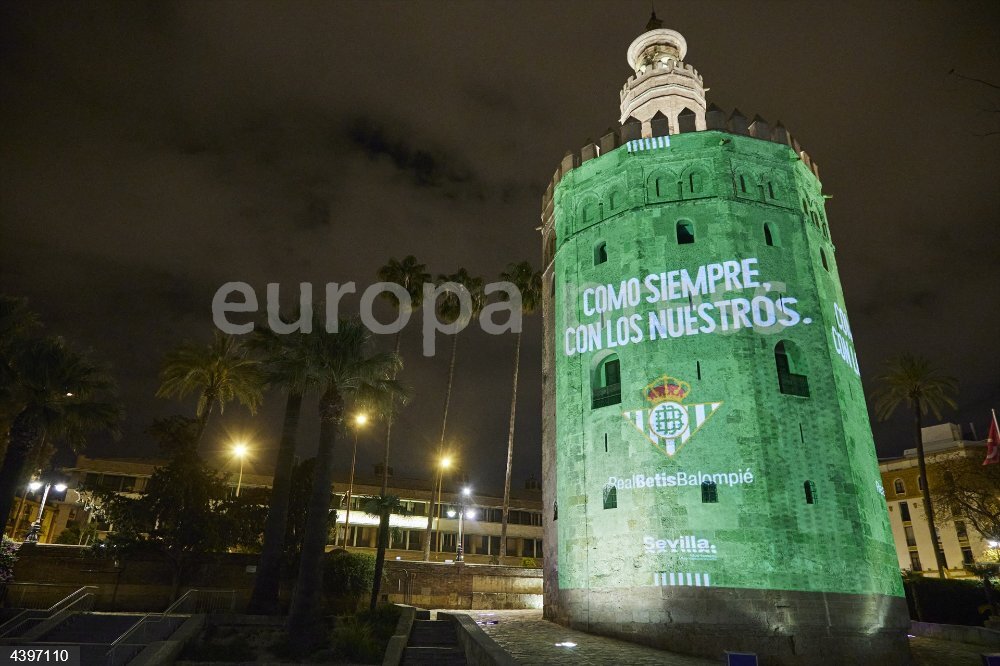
x: 462, y: 586
x: 44, y: 574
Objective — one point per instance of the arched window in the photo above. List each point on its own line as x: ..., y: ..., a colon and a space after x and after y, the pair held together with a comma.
x: 685, y: 233
x: 792, y: 379
x: 810, y: 489
x: 709, y: 492
x: 899, y: 487
x: 610, y: 496
x: 600, y: 253
x: 606, y: 383
x: 695, y: 182
x: 768, y: 236
x: 822, y: 258
x: 589, y: 212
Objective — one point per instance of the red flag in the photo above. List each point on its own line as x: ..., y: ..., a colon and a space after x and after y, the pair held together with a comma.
x: 993, y: 443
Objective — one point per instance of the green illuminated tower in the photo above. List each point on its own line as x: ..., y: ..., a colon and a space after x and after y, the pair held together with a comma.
x: 710, y: 477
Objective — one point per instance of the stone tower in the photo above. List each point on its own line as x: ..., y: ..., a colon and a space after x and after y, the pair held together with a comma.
x: 710, y: 477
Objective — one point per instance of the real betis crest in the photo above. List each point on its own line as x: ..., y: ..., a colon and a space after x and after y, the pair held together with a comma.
x: 668, y: 423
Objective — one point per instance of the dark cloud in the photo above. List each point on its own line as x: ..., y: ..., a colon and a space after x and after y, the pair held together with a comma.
x: 153, y: 151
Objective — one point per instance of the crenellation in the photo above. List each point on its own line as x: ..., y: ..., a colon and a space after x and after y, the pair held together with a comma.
x: 760, y: 129
x: 609, y: 141
x: 631, y: 129
x: 659, y: 124
x: 738, y: 123
x: 589, y: 151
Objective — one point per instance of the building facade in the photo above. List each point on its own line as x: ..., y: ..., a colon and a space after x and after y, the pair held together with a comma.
x: 711, y: 481
x: 481, y: 531
x: 958, y: 539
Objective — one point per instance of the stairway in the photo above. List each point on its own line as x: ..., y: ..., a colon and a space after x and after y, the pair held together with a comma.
x: 433, y: 643
x: 90, y: 628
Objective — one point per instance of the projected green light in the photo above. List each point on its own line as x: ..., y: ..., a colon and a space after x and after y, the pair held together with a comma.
x: 710, y: 423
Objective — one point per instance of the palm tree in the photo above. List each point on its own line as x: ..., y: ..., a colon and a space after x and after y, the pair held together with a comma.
x: 347, y: 370
x: 61, y: 395
x: 411, y: 276
x: 17, y: 324
x: 449, y: 309
x: 220, y: 372
x: 288, y: 364
x: 381, y: 506
x: 529, y: 283
x: 915, y: 381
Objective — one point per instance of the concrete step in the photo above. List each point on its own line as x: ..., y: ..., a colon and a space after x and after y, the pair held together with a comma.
x: 433, y: 656
x: 91, y: 628
x: 433, y: 632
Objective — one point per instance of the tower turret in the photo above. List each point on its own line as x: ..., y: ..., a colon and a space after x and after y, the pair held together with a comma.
x: 663, y: 82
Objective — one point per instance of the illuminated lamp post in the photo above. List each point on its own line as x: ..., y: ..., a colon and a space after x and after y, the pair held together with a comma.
x: 462, y: 513
x: 359, y: 421
x: 444, y: 464
x: 240, y: 451
x: 36, y: 527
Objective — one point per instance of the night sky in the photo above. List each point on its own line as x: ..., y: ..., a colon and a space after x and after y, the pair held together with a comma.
x: 152, y: 152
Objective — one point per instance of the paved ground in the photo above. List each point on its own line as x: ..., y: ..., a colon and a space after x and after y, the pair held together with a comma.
x: 533, y: 641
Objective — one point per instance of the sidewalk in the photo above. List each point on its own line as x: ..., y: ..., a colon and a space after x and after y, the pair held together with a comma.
x: 532, y: 640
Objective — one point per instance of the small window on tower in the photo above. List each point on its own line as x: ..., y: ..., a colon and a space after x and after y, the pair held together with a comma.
x: 822, y: 258
x: 709, y: 492
x: 555, y: 510
x: 810, y: 489
x: 685, y: 233
x: 600, y: 253
x: 607, y: 383
x: 770, y: 190
x: 768, y: 235
x: 792, y: 379
x: 743, y: 184
x: 610, y: 496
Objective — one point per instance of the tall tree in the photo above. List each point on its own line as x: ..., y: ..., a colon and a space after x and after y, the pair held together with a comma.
x: 288, y: 364
x: 17, y: 325
x: 60, y: 395
x: 914, y: 381
x: 529, y: 283
x: 411, y: 275
x: 382, y: 506
x: 219, y: 372
x: 348, y: 371
x: 449, y: 309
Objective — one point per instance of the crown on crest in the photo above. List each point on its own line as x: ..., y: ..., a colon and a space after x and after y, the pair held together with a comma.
x: 667, y: 389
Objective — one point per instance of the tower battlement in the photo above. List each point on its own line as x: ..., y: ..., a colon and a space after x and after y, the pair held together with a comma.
x: 715, y: 119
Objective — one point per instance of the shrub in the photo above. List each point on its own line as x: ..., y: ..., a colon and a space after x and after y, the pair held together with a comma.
x: 8, y: 556
x: 354, y: 639
x: 346, y: 577
x: 949, y: 601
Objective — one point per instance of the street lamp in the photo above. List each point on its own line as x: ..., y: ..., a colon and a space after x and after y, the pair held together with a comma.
x: 36, y: 527
x: 462, y: 513
x: 359, y: 422
x: 240, y: 451
x: 443, y: 464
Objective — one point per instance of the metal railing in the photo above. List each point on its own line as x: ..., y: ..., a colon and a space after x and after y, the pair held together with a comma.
x: 159, y: 626
x: 84, y: 596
